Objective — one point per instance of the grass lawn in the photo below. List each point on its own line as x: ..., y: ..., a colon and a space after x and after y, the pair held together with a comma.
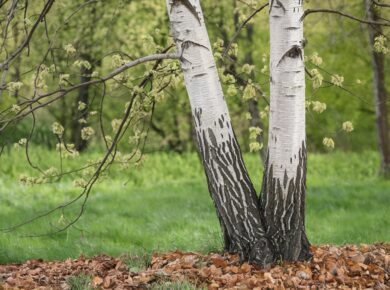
x: 165, y: 205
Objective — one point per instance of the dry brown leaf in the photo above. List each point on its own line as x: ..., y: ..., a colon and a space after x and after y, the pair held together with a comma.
x: 268, y: 277
x: 245, y: 268
x: 97, y: 281
x: 218, y: 261
x: 336, y: 267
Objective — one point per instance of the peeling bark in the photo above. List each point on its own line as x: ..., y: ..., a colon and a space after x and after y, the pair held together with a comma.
x: 282, y: 200
x: 380, y: 93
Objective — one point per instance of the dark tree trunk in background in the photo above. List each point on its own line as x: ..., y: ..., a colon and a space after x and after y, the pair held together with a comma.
x: 253, y: 103
x: 17, y: 62
x: 83, y: 96
x: 255, y: 121
x: 380, y: 93
x: 175, y: 144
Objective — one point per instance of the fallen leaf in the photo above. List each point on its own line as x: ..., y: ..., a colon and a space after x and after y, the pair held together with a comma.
x: 97, y: 281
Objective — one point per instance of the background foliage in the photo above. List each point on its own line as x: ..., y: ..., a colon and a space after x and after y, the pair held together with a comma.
x: 108, y: 32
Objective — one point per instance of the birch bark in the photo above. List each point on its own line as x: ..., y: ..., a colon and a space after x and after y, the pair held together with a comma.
x: 284, y: 184
x: 229, y: 184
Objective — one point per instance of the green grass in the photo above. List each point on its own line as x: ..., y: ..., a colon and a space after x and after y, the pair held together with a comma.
x: 81, y: 282
x: 165, y: 206
x: 137, y: 263
x: 184, y: 285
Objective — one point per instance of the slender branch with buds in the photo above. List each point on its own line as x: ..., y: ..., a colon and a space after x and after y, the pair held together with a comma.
x: 325, y: 10
x: 62, y: 92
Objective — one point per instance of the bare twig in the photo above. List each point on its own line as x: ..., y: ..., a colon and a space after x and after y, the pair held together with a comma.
x: 25, y: 43
x: 325, y: 10
x: 341, y: 87
x: 62, y: 92
x: 109, y: 156
x: 381, y: 4
x: 241, y: 27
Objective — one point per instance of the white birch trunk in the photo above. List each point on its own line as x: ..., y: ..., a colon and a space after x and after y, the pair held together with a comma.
x: 287, y: 108
x: 229, y: 184
x: 284, y: 182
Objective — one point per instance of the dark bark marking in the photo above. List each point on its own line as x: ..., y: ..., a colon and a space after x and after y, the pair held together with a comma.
x: 279, y: 5
x: 292, y: 28
x: 220, y: 121
x: 285, y: 178
x: 230, y: 186
x: 294, y: 52
x: 200, y: 75
x: 198, y: 114
x: 213, y: 140
x: 283, y: 215
x: 189, y: 6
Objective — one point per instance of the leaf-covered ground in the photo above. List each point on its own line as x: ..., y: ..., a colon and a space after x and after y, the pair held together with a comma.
x: 347, y: 267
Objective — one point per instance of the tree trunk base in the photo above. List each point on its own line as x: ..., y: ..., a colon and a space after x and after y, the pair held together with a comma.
x: 296, y: 248
x: 260, y: 253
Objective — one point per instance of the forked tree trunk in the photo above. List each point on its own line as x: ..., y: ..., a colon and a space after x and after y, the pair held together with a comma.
x: 229, y: 184
x: 260, y: 232
x: 284, y: 183
x: 380, y: 93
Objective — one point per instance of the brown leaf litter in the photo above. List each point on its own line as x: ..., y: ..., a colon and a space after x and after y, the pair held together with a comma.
x: 347, y: 267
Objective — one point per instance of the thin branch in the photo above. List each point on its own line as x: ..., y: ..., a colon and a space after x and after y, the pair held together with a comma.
x: 242, y: 26
x: 63, y: 92
x: 332, y: 85
x: 105, y: 162
x: 2, y: 3
x: 25, y: 43
x: 325, y: 10
x: 381, y: 4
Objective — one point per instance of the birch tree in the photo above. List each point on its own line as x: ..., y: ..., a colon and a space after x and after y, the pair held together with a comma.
x: 274, y: 229
x: 229, y: 184
x: 284, y: 184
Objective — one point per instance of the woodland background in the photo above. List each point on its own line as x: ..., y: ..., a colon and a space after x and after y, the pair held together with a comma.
x: 102, y: 31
